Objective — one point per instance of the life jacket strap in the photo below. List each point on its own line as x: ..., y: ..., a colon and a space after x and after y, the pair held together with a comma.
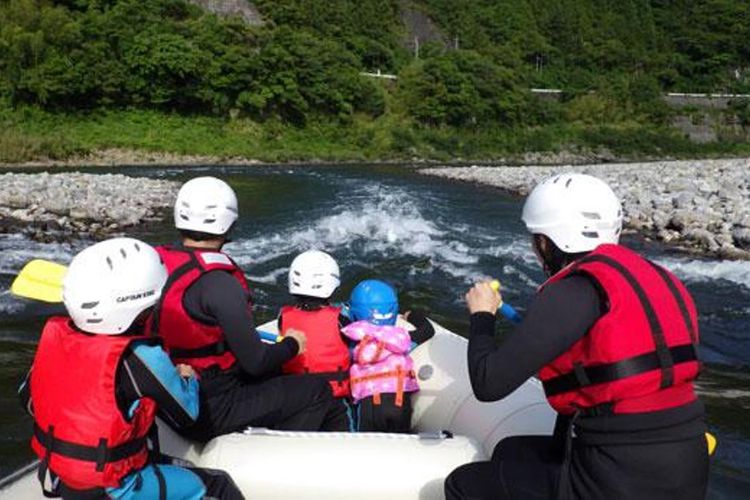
x: 611, y: 372
x: 399, y: 387
x: 100, y: 454
x: 662, y: 351
x: 178, y: 273
x: 366, y: 340
x: 215, y: 349
x: 400, y: 375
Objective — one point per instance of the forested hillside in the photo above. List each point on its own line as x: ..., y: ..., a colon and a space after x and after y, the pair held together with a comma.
x: 302, y: 66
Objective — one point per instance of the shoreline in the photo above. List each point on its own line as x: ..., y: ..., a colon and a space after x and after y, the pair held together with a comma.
x: 124, y: 157
x: 698, y: 206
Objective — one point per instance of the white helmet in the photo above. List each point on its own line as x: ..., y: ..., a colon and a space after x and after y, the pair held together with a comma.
x: 577, y: 212
x: 313, y: 273
x: 110, y: 283
x: 207, y: 205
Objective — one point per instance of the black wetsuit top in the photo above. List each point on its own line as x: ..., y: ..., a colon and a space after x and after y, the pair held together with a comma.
x: 217, y: 298
x: 558, y: 317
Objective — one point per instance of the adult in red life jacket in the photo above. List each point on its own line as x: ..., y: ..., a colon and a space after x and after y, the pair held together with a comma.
x: 97, y: 383
x: 205, y: 320
x: 613, y: 338
x: 313, y: 277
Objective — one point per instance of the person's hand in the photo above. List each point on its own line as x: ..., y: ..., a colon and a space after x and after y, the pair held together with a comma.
x: 299, y: 336
x: 483, y: 298
x: 185, y: 371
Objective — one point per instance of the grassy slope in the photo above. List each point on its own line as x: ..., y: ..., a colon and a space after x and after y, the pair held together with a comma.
x: 31, y: 134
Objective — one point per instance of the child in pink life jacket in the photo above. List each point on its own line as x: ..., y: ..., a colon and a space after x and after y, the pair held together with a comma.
x: 382, y: 372
x: 313, y: 277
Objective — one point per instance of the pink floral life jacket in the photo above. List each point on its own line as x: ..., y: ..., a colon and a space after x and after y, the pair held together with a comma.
x: 381, y: 362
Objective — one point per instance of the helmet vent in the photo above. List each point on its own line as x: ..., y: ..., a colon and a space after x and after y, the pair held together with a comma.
x: 123, y: 253
x: 137, y: 247
x: 590, y: 234
x: 89, y: 305
x: 567, y: 184
x: 591, y: 215
x: 109, y: 261
x: 184, y: 217
x: 94, y: 321
x: 209, y: 221
x: 208, y: 207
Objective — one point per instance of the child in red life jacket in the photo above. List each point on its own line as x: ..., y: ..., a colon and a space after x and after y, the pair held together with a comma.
x: 382, y: 373
x: 313, y: 277
x: 98, y: 382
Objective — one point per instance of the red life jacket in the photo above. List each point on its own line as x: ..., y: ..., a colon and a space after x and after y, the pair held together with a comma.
x: 80, y: 433
x: 188, y: 340
x: 326, y: 352
x: 640, y: 356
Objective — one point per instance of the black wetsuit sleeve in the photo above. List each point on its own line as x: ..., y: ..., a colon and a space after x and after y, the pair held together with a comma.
x: 559, y: 316
x: 218, y: 298
x: 144, y: 374
x: 424, y: 330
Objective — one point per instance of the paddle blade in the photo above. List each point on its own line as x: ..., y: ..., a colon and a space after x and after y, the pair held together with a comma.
x: 40, y: 280
x: 711, y: 442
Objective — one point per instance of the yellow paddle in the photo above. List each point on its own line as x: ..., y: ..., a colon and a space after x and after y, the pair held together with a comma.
x: 711, y: 442
x: 40, y: 280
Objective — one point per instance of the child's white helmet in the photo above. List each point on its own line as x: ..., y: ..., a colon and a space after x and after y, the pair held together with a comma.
x: 314, y: 273
x: 207, y: 205
x: 110, y: 283
x: 577, y: 212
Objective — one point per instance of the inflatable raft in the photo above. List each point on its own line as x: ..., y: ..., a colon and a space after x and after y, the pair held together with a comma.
x: 450, y: 427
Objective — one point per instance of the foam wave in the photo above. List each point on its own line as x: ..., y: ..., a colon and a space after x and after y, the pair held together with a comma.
x: 17, y: 250
x: 377, y: 222
x: 9, y: 304
x: 694, y: 270
x: 269, y: 278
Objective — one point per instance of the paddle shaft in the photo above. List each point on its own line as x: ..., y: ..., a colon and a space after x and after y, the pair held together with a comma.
x: 507, y: 310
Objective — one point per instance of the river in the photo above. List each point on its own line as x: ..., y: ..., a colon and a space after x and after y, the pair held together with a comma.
x: 430, y: 237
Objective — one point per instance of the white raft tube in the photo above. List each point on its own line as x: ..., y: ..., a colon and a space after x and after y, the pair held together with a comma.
x: 312, y: 465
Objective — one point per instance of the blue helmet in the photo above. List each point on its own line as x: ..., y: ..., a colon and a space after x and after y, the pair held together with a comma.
x: 374, y: 301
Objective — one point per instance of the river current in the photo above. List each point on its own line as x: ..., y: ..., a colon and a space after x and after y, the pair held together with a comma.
x: 430, y: 237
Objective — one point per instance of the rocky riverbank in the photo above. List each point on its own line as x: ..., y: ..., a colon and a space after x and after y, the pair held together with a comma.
x: 117, y: 157
x: 700, y: 205
x: 56, y: 207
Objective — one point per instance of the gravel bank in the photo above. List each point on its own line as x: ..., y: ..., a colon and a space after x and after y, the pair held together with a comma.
x: 701, y: 205
x: 56, y: 207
